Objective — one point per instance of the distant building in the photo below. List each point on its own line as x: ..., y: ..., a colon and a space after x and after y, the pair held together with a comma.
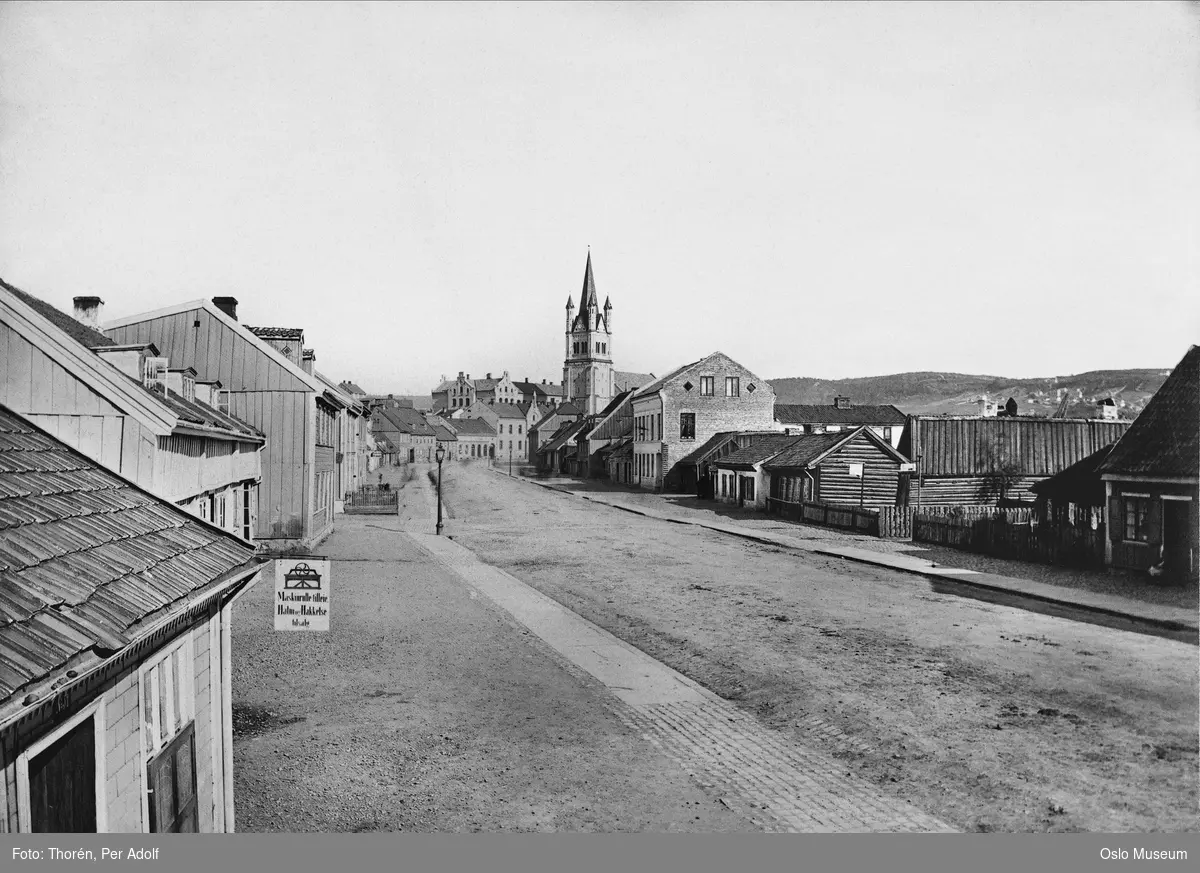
x: 1108, y: 409
x: 679, y: 411
x: 588, y: 367
x: 885, y: 421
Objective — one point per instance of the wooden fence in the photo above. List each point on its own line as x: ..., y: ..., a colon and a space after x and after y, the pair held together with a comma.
x: 883, y: 521
x: 1013, y: 534
x: 372, y: 501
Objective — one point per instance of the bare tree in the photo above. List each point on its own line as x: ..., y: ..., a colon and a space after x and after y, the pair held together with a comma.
x: 1001, y: 471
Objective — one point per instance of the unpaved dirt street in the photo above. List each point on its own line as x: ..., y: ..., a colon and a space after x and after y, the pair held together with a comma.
x: 990, y: 717
x: 427, y: 709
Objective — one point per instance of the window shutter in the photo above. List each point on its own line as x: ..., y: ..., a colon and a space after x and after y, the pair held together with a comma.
x: 1115, y: 520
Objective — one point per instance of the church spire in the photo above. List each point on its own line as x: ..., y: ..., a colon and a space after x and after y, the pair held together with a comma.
x: 587, y: 298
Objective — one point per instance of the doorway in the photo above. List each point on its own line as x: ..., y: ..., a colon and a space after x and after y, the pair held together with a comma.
x: 1178, y: 553
x: 62, y: 784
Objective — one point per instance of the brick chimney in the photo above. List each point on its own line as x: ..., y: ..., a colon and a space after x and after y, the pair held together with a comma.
x: 87, y: 311
x: 228, y: 305
x: 841, y: 402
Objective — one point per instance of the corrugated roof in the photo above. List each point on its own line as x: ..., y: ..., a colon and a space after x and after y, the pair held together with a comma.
x: 79, y: 332
x: 85, y: 556
x: 1164, y: 440
x: 791, y: 413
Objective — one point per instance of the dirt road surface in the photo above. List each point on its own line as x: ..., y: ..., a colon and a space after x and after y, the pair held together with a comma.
x: 991, y: 717
x: 427, y: 709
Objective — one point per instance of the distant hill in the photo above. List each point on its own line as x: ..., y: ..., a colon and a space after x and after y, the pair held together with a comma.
x: 958, y: 393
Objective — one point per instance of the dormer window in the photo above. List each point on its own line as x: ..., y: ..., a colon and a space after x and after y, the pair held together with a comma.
x: 154, y: 373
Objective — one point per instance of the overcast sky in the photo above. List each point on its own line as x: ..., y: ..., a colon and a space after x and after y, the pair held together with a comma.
x: 830, y: 190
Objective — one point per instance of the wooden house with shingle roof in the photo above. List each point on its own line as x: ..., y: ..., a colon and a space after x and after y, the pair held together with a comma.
x: 270, y: 384
x: 115, y: 653
x: 130, y: 408
x: 1152, y: 480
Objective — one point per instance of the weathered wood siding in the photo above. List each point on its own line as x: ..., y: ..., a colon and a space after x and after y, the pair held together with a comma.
x: 186, y: 466
x: 262, y: 393
x: 36, y: 386
x: 879, y: 482
x: 961, y: 447
x: 283, y: 493
x: 216, y: 351
x: 967, y: 491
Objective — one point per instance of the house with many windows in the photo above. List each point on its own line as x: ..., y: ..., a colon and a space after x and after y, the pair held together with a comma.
x: 268, y: 378
x: 115, y: 650
x: 127, y: 407
x: 683, y: 409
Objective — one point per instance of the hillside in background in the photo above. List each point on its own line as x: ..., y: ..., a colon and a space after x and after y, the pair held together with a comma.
x: 958, y: 393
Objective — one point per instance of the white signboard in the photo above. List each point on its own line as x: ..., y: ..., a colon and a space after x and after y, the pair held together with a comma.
x: 301, y: 594
x: 908, y: 468
x: 856, y: 471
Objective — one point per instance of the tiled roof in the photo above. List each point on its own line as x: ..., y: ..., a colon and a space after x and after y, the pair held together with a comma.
x: 763, y: 447
x: 79, y: 332
x: 806, y: 449
x: 473, y: 427
x: 1164, y: 440
x: 85, y: 557
x: 615, y: 403
x: 401, y: 420
x: 626, y: 381
x: 290, y: 333
x: 443, y: 433
x: 789, y: 413
x: 565, y: 434
x: 351, y: 387
x: 507, y: 410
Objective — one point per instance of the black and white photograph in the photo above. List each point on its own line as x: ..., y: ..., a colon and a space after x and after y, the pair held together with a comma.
x: 599, y: 418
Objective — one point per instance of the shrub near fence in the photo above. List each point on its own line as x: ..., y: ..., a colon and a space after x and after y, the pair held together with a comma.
x: 1012, y: 533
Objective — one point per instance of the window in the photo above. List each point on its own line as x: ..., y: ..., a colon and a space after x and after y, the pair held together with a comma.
x: 687, y: 425
x: 1136, y: 509
x: 249, y: 511
x: 731, y: 386
x: 518, y: 428
x: 659, y: 432
x: 706, y: 386
x: 887, y: 434
x: 168, y: 731
x: 748, y: 485
x: 510, y: 428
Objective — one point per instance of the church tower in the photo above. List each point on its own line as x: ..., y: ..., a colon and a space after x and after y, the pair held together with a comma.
x: 588, y: 369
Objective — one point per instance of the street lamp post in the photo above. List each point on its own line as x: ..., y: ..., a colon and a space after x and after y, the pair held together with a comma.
x: 440, y: 454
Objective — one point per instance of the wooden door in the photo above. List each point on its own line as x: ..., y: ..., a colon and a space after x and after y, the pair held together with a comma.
x: 62, y: 784
x: 172, y: 780
x: 1177, y: 540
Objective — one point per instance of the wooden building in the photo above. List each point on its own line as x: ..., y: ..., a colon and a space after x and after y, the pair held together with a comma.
x: 1152, y: 481
x: 115, y: 652
x: 605, y: 433
x: 412, y: 438
x: 740, y: 476
x: 545, y: 428
x: 854, y: 468
x: 270, y: 385
x: 982, y: 461
x: 841, y: 415
x: 696, y: 469
x: 128, y: 408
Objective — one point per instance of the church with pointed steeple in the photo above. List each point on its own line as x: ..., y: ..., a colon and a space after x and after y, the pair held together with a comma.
x: 588, y: 368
